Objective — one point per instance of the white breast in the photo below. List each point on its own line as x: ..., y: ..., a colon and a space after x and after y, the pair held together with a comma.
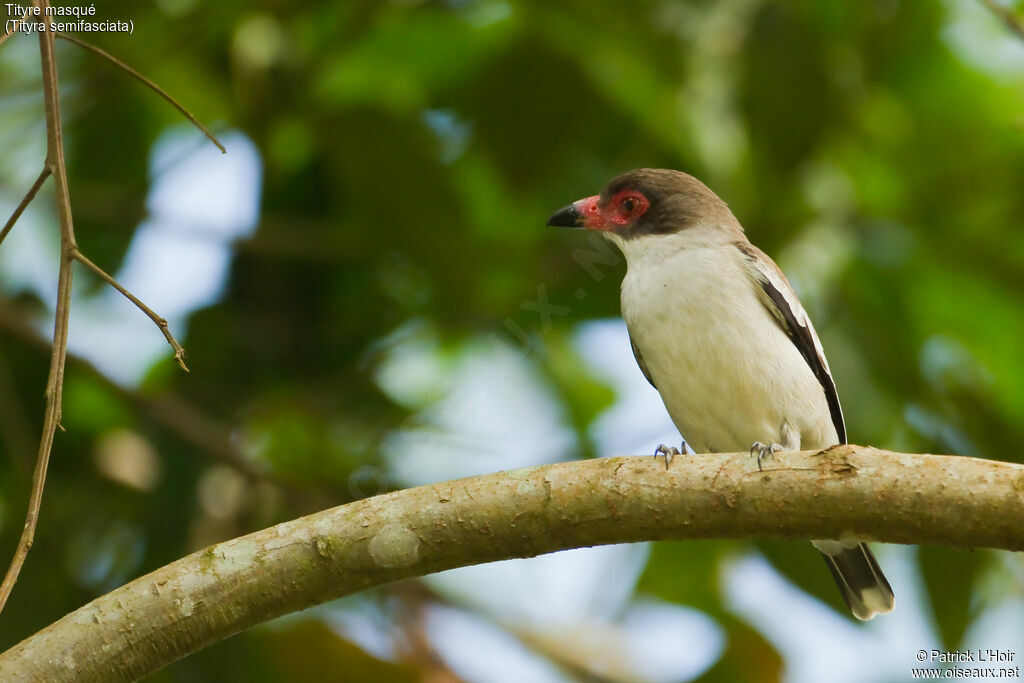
x: 726, y: 370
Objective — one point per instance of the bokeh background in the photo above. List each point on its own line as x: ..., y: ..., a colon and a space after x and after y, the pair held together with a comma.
x: 370, y: 300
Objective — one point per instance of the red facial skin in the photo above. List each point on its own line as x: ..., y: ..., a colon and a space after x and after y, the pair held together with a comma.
x: 622, y: 209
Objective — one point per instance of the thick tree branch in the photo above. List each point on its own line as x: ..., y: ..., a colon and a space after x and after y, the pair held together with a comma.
x: 209, y: 595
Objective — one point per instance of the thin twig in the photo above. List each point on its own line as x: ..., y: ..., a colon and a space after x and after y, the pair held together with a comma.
x: 55, y: 381
x: 26, y: 200
x: 1007, y: 16
x: 153, y: 86
x: 179, y: 353
x: 5, y: 36
x: 69, y: 252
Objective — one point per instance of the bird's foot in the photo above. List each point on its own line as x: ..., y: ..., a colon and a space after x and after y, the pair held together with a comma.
x: 764, y: 451
x: 669, y: 452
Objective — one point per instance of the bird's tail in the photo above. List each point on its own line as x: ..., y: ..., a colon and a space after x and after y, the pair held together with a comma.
x: 858, y: 576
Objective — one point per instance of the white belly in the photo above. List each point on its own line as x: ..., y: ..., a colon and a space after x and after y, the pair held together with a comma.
x: 726, y: 371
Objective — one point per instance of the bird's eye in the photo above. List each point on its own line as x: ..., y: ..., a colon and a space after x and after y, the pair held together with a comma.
x: 627, y: 206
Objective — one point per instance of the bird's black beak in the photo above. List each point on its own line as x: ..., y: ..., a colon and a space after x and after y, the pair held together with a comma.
x: 567, y: 217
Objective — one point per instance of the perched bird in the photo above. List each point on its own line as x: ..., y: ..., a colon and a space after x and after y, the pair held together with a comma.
x: 719, y: 332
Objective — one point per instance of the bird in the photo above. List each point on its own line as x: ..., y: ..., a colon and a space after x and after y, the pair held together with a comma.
x: 717, y: 329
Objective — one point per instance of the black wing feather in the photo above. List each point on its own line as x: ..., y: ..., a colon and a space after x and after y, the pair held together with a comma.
x: 797, y: 326
x: 801, y: 336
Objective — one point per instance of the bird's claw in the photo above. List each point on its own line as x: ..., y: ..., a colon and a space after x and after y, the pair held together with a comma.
x: 668, y: 451
x: 764, y: 451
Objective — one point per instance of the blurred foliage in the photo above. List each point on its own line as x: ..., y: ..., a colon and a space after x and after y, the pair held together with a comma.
x: 412, y: 152
x: 297, y: 650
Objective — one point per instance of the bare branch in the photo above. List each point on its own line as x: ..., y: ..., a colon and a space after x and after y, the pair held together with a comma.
x: 179, y: 352
x: 209, y: 595
x: 5, y: 36
x: 55, y: 381
x: 150, y: 84
x: 1007, y: 16
x: 25, y: 201
x: 69, y: 252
